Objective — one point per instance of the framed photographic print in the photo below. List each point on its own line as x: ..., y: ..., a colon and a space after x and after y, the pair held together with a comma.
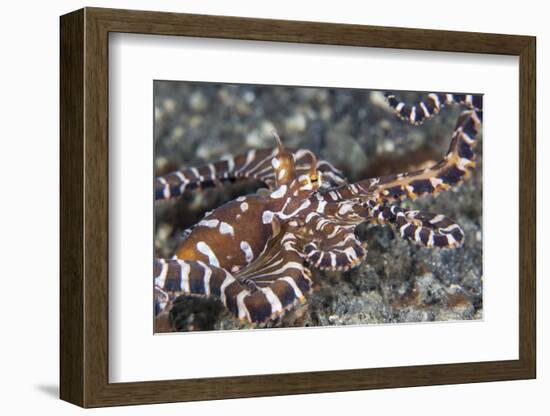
x: 257, y: 207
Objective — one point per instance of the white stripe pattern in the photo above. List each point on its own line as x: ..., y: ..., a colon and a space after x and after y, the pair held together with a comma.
x: 184, y: 276
x: 159, y: 281
x: 276, y: 306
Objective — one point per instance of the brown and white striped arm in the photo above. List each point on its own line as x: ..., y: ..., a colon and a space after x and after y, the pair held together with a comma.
x: 250, y: 165
x: 254, y: 164
x: 339, y: 254
x: 449, y: 171
x: 333, y: 245
x: 425, y: 109
x: 174, y: 277
x: 427, y: 229
x: 264, y: 290
x: 277, y: 280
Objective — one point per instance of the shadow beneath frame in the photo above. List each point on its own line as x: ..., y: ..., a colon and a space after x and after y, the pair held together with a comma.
x: 51, y: 390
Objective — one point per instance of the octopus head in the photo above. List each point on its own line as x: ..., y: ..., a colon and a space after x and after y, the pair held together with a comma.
x: 311, y: 180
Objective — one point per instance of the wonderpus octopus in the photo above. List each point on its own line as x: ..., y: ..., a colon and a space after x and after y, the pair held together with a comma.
x: 255, y: 253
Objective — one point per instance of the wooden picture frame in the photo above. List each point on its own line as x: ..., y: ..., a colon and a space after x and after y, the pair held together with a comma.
x: 84, y: 207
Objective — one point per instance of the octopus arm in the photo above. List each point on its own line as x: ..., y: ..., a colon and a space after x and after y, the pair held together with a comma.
x: 428, y: 107
x: 427, y: 229
x: 334, y: 246
x: 449, y: 171
x: 255, y: 164
x: 278, y: 280
x: 266, y: 289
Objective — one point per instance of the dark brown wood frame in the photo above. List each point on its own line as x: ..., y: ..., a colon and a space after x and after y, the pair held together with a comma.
x: 84, y: 207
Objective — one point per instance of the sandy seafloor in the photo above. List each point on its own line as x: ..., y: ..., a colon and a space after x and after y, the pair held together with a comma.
x: 197, y: 123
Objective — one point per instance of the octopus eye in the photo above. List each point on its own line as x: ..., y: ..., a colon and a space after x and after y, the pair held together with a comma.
x: 314, y: 178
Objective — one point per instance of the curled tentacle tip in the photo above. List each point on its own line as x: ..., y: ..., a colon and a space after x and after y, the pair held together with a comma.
x: 278, y: 139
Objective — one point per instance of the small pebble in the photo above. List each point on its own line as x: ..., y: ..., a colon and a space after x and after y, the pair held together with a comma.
x: 198, y: 102
x: 296, y: 124
x: 169, y: 105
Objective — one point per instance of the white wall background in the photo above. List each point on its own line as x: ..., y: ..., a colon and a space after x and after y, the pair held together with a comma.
x: 29, y: 158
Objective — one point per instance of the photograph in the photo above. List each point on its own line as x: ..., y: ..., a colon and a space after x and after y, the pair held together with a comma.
x: 300, y: 206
